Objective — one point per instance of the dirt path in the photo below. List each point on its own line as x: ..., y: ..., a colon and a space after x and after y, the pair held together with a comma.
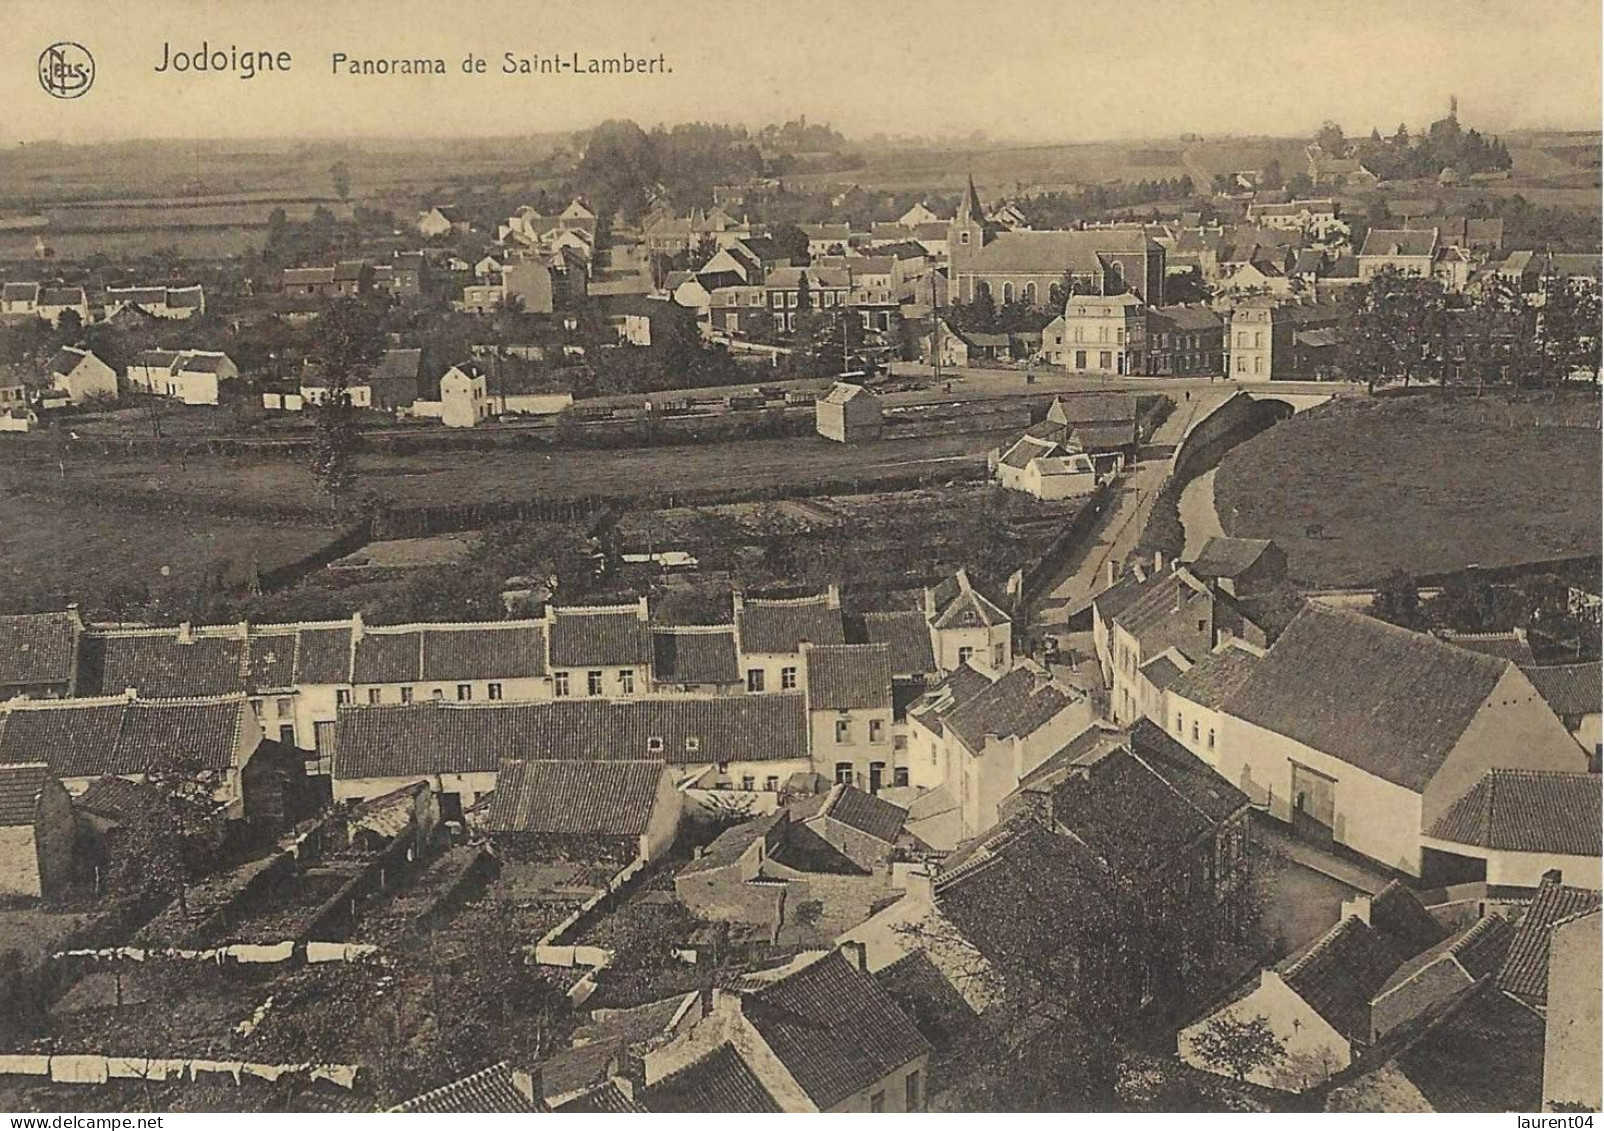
x: 1198, y: 515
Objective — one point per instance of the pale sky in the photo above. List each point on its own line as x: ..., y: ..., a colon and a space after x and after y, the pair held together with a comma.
x: 1044, y: 69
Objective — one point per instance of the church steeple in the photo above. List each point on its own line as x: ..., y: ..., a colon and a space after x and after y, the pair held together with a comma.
x: 971, y: 209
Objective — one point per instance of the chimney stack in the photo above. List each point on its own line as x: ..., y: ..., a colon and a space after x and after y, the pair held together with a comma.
x: 186, y: 634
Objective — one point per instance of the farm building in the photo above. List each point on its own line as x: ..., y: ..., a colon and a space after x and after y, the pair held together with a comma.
x: 189, y: 376
x: 583, y: 809
x: 80, y: 375
x: 848, y: 414
x: 36, y: 831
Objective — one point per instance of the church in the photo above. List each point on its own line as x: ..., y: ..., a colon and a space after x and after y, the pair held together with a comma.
x: 1025, y: 265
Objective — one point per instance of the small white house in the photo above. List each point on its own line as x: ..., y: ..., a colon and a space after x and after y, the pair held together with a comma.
x: 190, y: 376
x: 80, y: 375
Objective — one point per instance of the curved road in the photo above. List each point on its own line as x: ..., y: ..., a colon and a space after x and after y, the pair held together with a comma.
x: 1198, y: 514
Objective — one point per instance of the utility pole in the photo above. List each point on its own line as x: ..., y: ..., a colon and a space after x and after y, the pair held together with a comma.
x: 935, y: 330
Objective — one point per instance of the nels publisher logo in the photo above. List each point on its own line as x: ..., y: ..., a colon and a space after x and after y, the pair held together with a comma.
x: 66, y: 70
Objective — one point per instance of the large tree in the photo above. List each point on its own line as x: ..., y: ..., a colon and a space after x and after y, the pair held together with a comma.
x: 347, y: 342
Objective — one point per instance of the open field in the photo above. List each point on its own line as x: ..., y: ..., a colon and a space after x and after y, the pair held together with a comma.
x: 1419, y: 484
x: 50, y: 552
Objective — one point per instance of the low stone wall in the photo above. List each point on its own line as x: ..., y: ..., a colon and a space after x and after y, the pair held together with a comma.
x: 95, y: 1068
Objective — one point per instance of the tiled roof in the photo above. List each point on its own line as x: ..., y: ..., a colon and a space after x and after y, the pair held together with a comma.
x: 574, y: 797
x: 66, y: 360
x: 1228, y: 557
x: 90, y: 738
x: 19, y: 792
x: 37, y: 649
x: 1546, y: 811
x: 833, y: 1028
x: 865, y: 812
x: 777, y: 627
x: 1484, y: 1056
x: 1162, y: 670
x: 1569, y: 689
x: 486, y: 1091
x: 1053, y: 252
x: 1525, y: 969
x: 443, y: 737
x: 1389, y: 701
x: 1478, y: 949
x: 162, y: 663
x: 695, y: 655
x: 846, y: 676
x: 1094, y: 408
x: 601, y: 638
x: 1211, y: 680
x: 720, y: 1082
x: 959, y: 604
x: 1396, y: 912
x: 1340, y: 972
x: 1399, y: 241
x: 1016, y: 704
x: 604, y: 1099
x: 418, y: 652
x: 1025, y: 449
x: 323, y: 655
x: 731, y: 844
x: 1504, y: 645
x: 271, y: 661
x: 904, y: 631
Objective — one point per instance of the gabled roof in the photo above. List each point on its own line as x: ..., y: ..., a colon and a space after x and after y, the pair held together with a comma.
x: 1018, y: 703
x: 600, y: 637
x: 1211, y: 680
x: 162, y: 662
x: 833, y: 1028
x: 68, y: 359
x: 1053, y: 252
x: 870, y: 815
x: 1025, y: 449
x: 843, y: 391
x: 1569, y: 689
x: 486, y: 1091
x: 37, y: 648
x: 904, y: 631
x: 1389, y: 701
x: 87, y: 738
x: 20, y: 786
x: 718, y: 1082
x: 843, y: 677
x: 1093, y: 408
x: 1546, y: 811
x: 1477, y: 949
x: 419, y: 652
x: 443, y: 737
x: 1339, y: 973
x: 1396, y: 912
x: 1400, y: 242
x: 959, y: 604
x: 1228, y: 557
x: 779, y: 626
x: 577, y: 798
x: 1525, y: 969
x: 695, y: 654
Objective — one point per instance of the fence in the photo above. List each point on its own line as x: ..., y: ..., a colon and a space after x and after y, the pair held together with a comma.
x: 96, y: 1068
x: 287, y: 950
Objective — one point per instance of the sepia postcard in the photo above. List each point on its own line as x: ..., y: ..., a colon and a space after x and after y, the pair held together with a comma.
x: 626, y: 556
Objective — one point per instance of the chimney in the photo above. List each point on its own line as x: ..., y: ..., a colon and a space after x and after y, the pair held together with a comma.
x: 1113, y: 571
x: 1552, y: 878
x: 642, y: 609
x: 631, y: 1078
x: 186, y: 634
x: 356, y: 625
x: 857, y: 953
x: 832, y: 596
x: 704, y: 1000
x: 1158, y: 561
x: 130, y: 693
x: 1358, y: 907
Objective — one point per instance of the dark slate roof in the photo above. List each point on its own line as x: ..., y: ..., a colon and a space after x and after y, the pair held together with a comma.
x: 162, y: 664
x: 486, y: 1091
x: 1016, y: 704
x: 84, y: 739
x: 845, y: 676
x: 19, y: 792
x: 1399, y: 241
x: 929, y: 997
x: 718, y: 1082
x: 775, y: 627
x: 1569, y: 689
x: 600, y: 638
x: 37, y: 649
x: 865, y: 812
x: 323, y: 655
x: 1228, y: 557
x: 1389, y: 701
x: 443, y: 737
x: 417, y: 652
x: 1339, y: 972
x: 604, y: 1099
x: 270, y: 661
x: 574, y: 797
x: 1547, y: 811
x: 1504, y: 645
x: 959, y: 604
x: 1161, y: 671
x: 1478, y: 949
x: 116, y: 797
x: 1211, y: 680
x: 833, y: 1028
x: 695, y: 655
x: 1396, y: 911
x: 1525, y: 969
x: 905, y: 631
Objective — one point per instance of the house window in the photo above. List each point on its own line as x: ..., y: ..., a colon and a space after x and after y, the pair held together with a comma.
x: 772, y: 783
x: 1258, y: 365
x: 877, y: 730
x: 559, y: 684
x: 748, y: 782
x: 1180, y: 724
x: 406, y: 695
x: 843, y: 731
x: 997, y: 656
x: 843, y: 773
x: 286, y: 707
x: 438, y: 694
x: 342, y: 698
x: 911, y: 1091
x: 754, y: 679
x: 899, y: 775
x: 964, y: 655
x: 654, y: 744
x: 1105, y: 360
x: 963, y: 238
x: 494, y: 691
x: 593, y: 683
x: 787, y: 679
x: 286, y: 735
x: 693, y: 745
x: 626, y: 681
x: 464, y: 692
x: 1211, y: 738
x: 877, y: 1101
x: 1080, y: 355
x: 373, y: 696
x: 1194, y: 730
x: 1241, y: 365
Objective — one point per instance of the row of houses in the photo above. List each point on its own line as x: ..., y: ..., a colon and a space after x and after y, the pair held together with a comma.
x: 26, y: 300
